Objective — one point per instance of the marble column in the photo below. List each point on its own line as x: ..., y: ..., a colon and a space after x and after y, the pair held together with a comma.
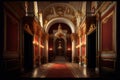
x: 73, y: 46
x: 39, y: 51
x: 46, y: 47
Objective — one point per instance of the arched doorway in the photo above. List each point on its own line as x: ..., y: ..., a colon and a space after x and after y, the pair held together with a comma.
x: 68, y: 28
x: 59, y: 46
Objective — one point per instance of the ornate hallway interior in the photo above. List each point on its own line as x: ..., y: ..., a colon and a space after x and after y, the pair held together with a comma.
x: 43, y: 39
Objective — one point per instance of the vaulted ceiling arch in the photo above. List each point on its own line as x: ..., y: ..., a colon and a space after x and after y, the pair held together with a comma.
x: 58, y: 11
x: 60, y: 20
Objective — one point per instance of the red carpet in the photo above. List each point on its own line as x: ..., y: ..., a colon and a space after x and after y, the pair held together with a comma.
x: 59, y: 71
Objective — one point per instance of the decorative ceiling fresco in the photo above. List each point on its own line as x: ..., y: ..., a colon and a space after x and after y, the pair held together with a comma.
x: 59, y: 10
x: 72, y: 10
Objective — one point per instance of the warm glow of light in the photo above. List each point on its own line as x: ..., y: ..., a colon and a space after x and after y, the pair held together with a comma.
x: 50, y: 49
x: 40, y: 19
x: 78, y: 46
x: 36, y: 43
x: 26, y: 8
x: 83, y: 43
x: 35, y: 8
x: 35, y: 73
x: 84, y: 24
x: 68, y: 49
x: 85, y: 72
x: 41, y: 46
x: 59, y: 33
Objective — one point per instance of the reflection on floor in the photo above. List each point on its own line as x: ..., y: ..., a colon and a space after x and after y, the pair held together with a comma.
x: 77, y: 70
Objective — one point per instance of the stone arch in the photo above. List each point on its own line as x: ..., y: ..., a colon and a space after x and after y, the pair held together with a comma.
x: 62, y: 20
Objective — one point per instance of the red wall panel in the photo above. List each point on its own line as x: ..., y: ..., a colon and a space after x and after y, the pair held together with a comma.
x: 107, y: 34
x: 12, y: 33
x: 83, y: 39
x: 107, y: 27
x: 83, y: 50
x: 36, y: 50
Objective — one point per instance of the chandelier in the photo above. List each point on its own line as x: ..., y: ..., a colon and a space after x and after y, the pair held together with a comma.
x: 59, y: 32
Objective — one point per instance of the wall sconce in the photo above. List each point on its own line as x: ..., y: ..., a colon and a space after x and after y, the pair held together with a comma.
x: 78, y: 46
x: 41, y: 46
x: 50, y: 49
x: 84, y: 43
x: 35, y: 42
x: 68, y: 49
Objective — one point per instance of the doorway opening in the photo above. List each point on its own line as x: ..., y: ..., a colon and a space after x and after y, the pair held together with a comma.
x: 28, y: 52
x: 60, y: 47
x: 91, y: 50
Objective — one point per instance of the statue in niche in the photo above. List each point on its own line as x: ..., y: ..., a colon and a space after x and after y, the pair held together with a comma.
x: 59, y: 48
x: 59, y: 28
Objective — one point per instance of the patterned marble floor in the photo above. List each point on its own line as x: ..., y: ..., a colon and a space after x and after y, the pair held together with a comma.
x: 77, y: 70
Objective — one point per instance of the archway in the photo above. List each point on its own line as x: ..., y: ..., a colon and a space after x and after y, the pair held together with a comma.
x: 55, y: 40
x: 60, y: 20
x: 72, y: 29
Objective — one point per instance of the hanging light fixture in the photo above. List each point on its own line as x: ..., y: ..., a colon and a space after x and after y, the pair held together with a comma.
x: 59, y: 32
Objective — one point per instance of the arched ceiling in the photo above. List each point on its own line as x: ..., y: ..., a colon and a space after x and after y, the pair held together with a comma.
x: 60, y: 20
x: 66, y: 9
x: 69, y: 11
x: 59, y: 10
